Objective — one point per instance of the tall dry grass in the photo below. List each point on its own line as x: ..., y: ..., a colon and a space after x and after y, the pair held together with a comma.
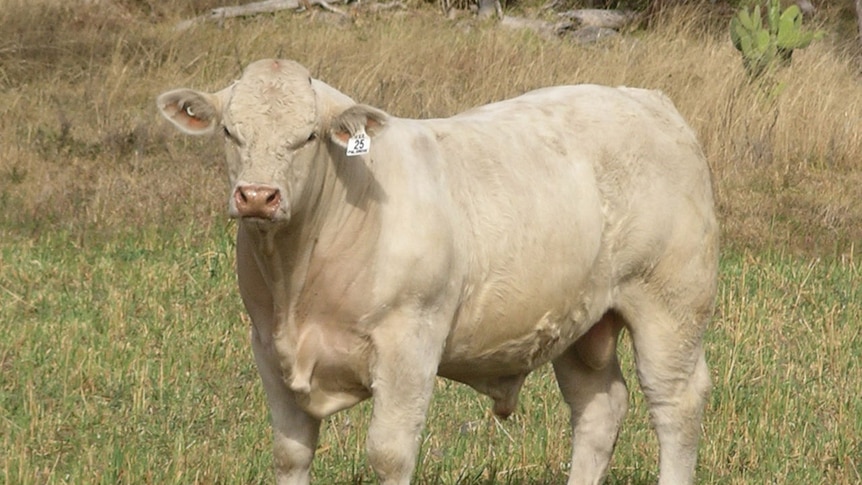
x: 83, y: 148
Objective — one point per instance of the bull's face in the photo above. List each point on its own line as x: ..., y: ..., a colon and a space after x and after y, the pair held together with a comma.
x: 277, y: 129
x: 270, y: 125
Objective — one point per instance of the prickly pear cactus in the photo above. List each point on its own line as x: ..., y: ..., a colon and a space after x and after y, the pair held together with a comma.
x: 763, y: 46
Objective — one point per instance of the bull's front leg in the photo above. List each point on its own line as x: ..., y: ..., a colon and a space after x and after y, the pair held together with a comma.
x: 407, y: 350
x: 295, y: 433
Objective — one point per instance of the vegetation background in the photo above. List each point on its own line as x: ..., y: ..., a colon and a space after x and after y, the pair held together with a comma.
x: 123, y: 343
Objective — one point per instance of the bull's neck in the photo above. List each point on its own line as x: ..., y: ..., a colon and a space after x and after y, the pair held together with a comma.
x: 341, y: 199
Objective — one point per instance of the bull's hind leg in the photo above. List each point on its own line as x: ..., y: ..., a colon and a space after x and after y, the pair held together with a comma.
x: 673, y: 375
x: 589, y: 377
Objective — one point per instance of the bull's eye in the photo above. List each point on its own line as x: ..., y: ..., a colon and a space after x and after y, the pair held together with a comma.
x: 312, y: 136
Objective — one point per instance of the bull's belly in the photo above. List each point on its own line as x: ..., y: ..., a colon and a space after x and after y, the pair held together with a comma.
x: 519, y: 313
x: 496, y: 349
x: 498, y: 340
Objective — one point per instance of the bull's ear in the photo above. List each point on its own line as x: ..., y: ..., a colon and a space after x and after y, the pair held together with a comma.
x: 354, y: 119
x: 191, y: 111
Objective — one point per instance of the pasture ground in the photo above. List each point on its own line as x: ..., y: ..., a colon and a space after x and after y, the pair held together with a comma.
x: 123, y: 344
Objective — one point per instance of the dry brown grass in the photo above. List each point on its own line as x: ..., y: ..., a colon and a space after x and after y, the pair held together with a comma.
x: 82, y: 147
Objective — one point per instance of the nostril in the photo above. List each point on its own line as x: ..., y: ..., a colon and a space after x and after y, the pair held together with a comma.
x: 240, y: 196
x: 261, y: 201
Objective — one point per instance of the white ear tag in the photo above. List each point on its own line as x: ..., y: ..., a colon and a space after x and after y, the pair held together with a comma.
x: 358, y: 144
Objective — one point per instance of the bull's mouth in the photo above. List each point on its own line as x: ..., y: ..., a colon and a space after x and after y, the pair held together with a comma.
x: 277, y: 219
x: 257, y: 220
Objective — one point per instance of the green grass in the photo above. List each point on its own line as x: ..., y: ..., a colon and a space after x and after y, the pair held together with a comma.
x: 125, y: 360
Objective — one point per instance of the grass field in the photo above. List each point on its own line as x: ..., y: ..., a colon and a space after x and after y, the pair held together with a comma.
x: 123, y: 343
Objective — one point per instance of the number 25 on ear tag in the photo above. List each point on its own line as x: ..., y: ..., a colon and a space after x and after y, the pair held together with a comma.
x: 358, y: 144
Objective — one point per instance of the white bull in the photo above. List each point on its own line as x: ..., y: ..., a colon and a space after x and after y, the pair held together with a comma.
x: 476, y: 247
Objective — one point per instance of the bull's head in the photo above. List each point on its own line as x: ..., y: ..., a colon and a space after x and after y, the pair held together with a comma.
x: 279, y: 125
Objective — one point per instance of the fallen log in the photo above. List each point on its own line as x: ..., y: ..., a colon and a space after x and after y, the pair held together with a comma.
x: 542, y: 27
x: 606, y: 19
x: 382, y: 7
x: 563, y: 29
x: 265, y: 6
